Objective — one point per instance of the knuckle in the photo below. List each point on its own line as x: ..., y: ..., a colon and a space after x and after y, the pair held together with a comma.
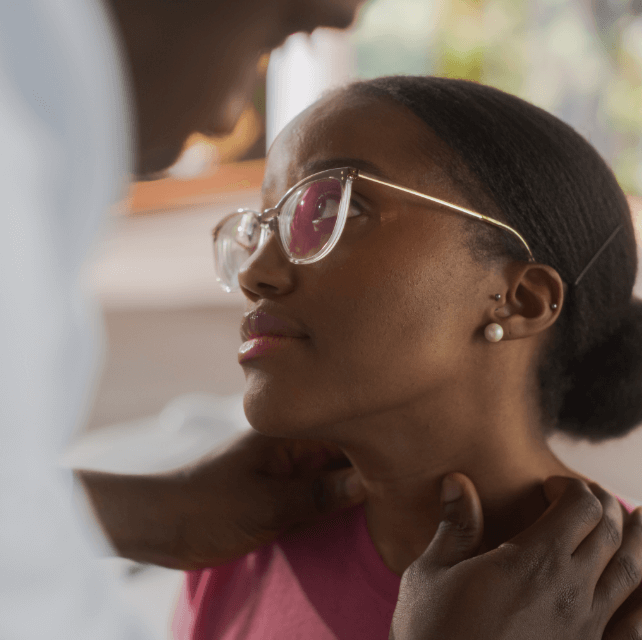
x: 542, y: 567
x: 508, y: 557
x: 419, y: 574
x: 629, y: 572
x: 556, y: 548
x: 612, y: 531
x: 416, y: 572
x: 566, y: 601
x: 612, y: 503
x: 592, y: 509
x: 530, y: 564
x: 508, y: 566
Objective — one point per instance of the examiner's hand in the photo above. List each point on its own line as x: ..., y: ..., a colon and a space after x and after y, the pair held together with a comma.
x: 562, y: 578
x: 225, y: 505
x: 256, y: 488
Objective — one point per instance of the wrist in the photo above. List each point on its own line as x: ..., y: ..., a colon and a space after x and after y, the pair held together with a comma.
x: 140, y: 515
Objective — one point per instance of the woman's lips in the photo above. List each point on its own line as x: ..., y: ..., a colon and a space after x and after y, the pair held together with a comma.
x: 264, y: 333
x: 263, y: 346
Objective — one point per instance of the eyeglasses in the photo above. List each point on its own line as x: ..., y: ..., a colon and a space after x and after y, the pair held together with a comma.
x: 307, y: 222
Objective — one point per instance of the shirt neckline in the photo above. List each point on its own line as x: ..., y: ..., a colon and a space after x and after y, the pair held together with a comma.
x: 375, y: 571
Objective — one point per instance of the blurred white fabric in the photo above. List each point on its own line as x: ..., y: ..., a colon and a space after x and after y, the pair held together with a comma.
x: 189, y: 426
x: 64, y: 140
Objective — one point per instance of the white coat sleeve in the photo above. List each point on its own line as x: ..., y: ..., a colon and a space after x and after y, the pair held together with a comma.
x: 64, y: 158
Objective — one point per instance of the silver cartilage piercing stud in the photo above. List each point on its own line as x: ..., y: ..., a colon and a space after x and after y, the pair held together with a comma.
x: 553, y: 306
x: 498, y: 296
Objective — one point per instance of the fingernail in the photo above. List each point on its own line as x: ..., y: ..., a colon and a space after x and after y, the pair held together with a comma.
x: 352, y: 486
x: 450, y: 490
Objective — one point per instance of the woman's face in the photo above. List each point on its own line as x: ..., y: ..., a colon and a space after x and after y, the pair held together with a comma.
x: 392, y: 315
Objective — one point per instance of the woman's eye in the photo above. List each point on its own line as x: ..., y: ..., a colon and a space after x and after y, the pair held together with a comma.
x: 327, y: 208
x: 355, y: 209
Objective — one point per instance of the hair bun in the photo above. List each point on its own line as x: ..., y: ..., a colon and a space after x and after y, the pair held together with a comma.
x: 605, y: 399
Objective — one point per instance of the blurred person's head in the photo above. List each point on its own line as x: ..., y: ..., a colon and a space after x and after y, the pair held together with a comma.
x: 393, y: 318
x: 193, y: 62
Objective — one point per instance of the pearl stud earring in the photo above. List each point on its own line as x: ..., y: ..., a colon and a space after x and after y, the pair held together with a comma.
x: 553, y: 306
x: 494, y: 332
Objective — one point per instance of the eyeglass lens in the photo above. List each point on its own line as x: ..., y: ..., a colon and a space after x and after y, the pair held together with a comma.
x: 306, y: 222
x: 236, y: 240
x: 308, y: 217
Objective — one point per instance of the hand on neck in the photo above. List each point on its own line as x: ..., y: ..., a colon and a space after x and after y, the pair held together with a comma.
x: 402, y: 469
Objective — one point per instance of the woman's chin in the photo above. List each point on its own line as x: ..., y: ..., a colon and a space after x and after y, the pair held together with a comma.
x: 271, y: 420
x: 281, y: 418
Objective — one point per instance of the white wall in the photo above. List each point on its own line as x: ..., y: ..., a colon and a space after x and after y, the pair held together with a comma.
x: 301, y: 70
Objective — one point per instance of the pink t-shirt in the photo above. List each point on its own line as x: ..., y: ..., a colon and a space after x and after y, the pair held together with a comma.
x: 327, y: 583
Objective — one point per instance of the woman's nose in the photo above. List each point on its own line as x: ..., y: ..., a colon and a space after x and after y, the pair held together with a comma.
x: 267, y: 273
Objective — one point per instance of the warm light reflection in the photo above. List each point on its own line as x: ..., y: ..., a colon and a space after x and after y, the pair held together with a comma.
x: 232, y: 147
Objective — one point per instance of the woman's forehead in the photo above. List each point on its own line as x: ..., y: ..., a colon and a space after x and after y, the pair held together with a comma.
x: 375, y: 133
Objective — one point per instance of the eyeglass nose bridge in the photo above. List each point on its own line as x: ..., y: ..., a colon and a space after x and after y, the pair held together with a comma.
x: 268, y: 215
x: 269, y: 222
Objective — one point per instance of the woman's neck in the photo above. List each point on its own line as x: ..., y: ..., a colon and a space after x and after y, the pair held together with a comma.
x: 402, y: 528
x: 402, y: 462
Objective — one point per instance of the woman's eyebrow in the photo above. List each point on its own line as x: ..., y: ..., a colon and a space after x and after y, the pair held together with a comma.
x: 314, y: 166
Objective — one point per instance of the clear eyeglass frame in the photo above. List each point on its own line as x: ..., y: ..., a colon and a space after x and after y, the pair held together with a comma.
x: 268, y: 220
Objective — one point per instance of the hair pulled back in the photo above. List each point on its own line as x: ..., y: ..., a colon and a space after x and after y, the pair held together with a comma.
x: 527, y: 168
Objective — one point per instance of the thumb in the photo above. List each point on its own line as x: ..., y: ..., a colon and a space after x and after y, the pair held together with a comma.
x: 460, y: 531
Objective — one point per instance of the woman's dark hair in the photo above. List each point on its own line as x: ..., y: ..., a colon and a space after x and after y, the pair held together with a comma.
x: 527, y: 168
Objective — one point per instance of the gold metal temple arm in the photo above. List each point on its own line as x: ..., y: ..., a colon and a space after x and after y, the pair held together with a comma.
x: 468, y: 212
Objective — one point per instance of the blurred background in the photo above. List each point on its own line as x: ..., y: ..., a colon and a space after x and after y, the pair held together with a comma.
x: 170, y: 384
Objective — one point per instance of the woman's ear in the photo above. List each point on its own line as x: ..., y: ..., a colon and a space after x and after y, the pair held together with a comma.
x: 533, y: 301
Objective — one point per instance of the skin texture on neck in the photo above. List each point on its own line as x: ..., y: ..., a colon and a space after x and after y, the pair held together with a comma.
x: 402, y: 467
x: 395, y: 368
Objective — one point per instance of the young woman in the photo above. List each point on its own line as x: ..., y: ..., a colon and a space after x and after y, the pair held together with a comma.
x: 446, y: 281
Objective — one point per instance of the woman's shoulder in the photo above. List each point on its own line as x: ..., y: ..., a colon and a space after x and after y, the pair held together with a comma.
x: 315, y: 540
x: 628, y: 503
x: 211, y: 598
x: 306, y: 579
